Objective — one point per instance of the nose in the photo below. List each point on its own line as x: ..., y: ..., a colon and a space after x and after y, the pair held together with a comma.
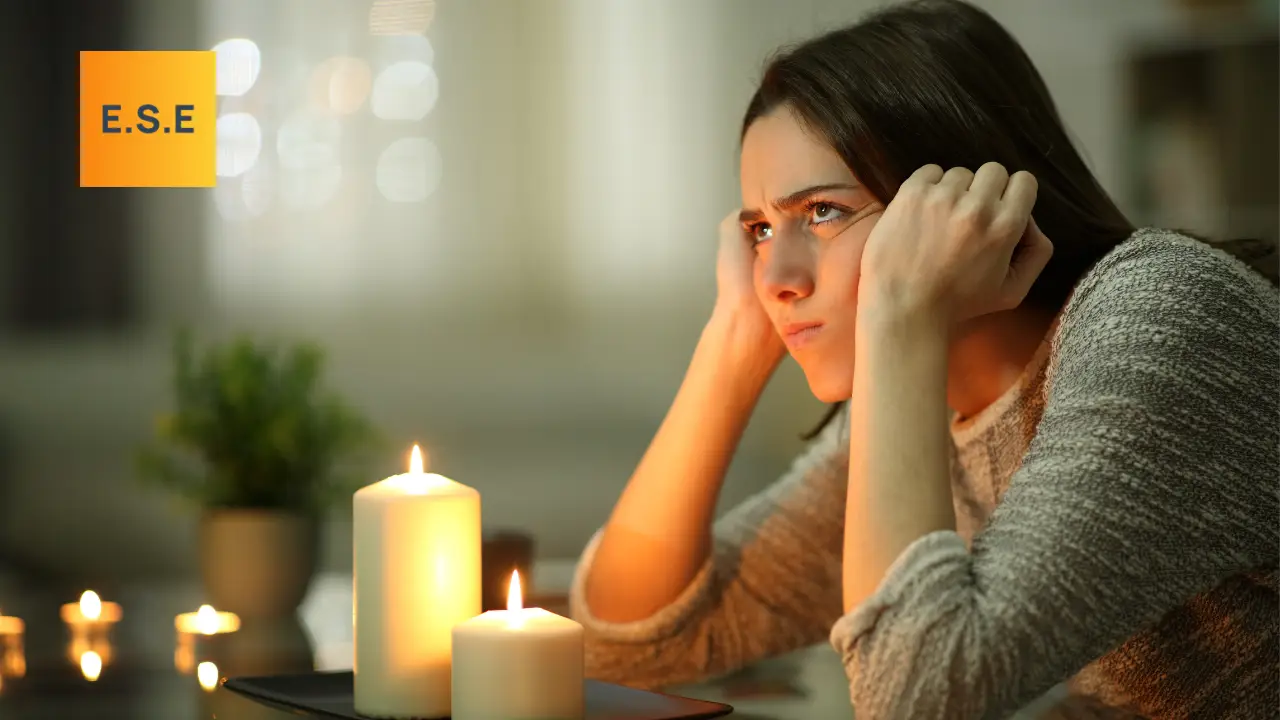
x: 787, y: 275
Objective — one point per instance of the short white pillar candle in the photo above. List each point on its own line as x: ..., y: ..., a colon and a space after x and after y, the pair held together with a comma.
x: 518, y: 664
x: 417, y: 574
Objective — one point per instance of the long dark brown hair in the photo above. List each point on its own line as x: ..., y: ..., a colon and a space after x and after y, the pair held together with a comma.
x: 940, y: 81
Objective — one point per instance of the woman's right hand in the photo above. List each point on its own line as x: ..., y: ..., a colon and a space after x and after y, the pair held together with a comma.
x: 738, y: 307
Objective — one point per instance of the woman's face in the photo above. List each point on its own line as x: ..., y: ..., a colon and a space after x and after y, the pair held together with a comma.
x: 810, y: 218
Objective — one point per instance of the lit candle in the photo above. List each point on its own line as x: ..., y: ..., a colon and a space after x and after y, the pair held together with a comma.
x: 416, y: 540
x: 206, y: 621
x: 207, y: 674
x: 517, y: 664
x: 91, y: 665
x: 91, y: 612
x: 10, y: 626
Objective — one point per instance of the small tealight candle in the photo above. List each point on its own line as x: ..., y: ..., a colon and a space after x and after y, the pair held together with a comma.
x: 207, y: 621
x: 517, y: 664
x: 10, y: 626
x: 90, y: 612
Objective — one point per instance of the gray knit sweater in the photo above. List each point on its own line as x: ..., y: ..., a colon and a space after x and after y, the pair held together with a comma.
x: 1118, y: 527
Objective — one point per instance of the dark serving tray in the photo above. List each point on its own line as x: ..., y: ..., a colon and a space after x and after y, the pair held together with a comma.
x: 330, y: 695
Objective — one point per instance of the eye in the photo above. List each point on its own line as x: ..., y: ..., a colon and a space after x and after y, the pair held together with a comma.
x: 822, y: 212
x: 759, y: 232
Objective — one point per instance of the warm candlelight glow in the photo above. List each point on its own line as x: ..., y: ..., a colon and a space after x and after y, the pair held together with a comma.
x: 10, y: 625
x: 184, y: 655
x: 90, y: 610
x: 91, y: 665
x: 416, y: 464
x: 418, y: 481
x: 206, y: 621
x: 86, y: 642
x: 207, y: 674
x: 90, y: 605
x: 515, y: 600
x: 14, y: 663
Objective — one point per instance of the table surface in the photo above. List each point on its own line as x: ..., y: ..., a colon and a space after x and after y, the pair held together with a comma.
x: 149, y: 673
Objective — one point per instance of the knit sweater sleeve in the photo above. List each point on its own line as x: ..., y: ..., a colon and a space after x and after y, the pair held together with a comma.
x: 771, y: 584
x: 1150, y: 479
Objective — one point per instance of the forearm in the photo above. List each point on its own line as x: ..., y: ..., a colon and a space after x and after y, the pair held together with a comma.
x: 899, y: 486
x: 659, y: 533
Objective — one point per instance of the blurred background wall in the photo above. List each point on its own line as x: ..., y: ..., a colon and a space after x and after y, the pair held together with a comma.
x: 501, y: 229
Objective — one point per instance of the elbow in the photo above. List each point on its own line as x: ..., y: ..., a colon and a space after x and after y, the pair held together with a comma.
x: 932, y: 667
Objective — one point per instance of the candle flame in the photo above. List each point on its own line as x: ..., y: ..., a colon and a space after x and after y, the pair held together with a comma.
x: 90, y: 605
x: 91, y: 665
x: 514, y: 599
x: 207, y: 674
x: 207, y: 622
x: 415, y: 461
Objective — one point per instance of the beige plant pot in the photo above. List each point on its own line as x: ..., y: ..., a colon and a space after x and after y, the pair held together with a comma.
x: 257, y: 563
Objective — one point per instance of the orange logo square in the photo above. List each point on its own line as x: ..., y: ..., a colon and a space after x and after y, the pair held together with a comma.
x: 147, y: 119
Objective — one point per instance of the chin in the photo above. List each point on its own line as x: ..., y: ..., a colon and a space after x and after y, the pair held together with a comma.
x: 829, y: 387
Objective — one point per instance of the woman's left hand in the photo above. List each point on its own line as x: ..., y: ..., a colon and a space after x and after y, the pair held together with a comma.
x: 955, y: 245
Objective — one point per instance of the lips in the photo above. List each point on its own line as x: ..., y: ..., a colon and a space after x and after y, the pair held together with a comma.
x: 797, y: 335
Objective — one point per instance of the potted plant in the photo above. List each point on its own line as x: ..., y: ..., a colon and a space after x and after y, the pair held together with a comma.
x: 264, y: 451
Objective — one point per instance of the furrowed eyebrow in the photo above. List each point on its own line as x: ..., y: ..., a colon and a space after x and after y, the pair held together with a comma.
x: 793, y: 200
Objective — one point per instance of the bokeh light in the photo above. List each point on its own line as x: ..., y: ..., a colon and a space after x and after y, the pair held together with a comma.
x: 238, y: 63
x: 405, y: 90
x: 340, y: 85
x: 400, y: 17
x: 409, y: 170
x: 239, y: 143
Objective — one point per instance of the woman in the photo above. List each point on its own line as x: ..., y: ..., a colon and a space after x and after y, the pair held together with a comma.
x: 1056, y: 458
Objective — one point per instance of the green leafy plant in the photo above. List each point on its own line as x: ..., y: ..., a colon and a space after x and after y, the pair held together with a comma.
x: 252, y: 428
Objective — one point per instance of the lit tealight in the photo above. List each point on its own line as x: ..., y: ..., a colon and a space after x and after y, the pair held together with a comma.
x: 90, y: 611
x: 207, y: 674
x: 91, y: 665
x: 10, y: 625
x: 207, y: 621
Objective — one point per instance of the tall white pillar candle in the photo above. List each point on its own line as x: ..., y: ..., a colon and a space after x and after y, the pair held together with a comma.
x: 518, y: 664
x: 417, y: 574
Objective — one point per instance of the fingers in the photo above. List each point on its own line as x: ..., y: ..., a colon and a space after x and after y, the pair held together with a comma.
x: 1020, y: 195
x: 1029, y: 259
x: 957, y: 179
x: 989, y: 182
x: 927, y: 175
